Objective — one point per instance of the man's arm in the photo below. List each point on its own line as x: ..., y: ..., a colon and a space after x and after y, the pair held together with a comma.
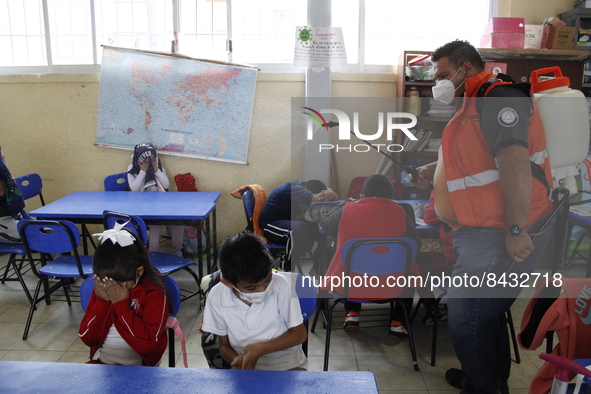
x: 292, y: 337
x: 516, y: 179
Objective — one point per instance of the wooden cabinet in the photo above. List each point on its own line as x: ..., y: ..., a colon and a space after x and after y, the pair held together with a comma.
x: 519, y: 63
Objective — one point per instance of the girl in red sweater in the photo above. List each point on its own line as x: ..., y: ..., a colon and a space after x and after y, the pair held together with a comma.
x: 125, y: 321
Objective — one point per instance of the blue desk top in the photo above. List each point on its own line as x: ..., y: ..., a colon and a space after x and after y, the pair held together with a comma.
x: 36, y: 377
x: 153, y: 207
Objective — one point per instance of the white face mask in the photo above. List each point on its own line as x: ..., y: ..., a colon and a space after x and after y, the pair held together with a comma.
x: 255, y: 298
x: 444, y: 89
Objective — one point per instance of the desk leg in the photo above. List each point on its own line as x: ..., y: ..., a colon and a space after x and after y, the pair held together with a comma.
x: 208, y: 243
x: 561, y: 235
x: 199, y: 249
x: 215, y: 239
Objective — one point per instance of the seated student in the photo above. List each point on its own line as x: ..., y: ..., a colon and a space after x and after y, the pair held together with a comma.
x: 252, y: 310
x: 146, y: 173
x: 11, y: 205
x: 282, y: 217
x: 375, y: 215
x: 125, y: 320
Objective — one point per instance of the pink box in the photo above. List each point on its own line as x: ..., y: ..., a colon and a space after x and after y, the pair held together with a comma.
x: 504, y: 33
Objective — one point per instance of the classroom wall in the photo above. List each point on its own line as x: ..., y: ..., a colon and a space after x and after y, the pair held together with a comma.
x: 533, y: 11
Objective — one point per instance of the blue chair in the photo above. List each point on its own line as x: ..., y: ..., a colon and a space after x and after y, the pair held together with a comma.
x: 30, y: 186
x: 175, y: 296
x: 308, y: 296
x: 165, y: 263
x: 248, y: 202
x: 379, y: 256
x: 116, y: 182
x: 50, y: 237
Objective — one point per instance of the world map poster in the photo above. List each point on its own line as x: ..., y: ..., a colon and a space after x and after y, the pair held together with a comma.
x: 184, y: 106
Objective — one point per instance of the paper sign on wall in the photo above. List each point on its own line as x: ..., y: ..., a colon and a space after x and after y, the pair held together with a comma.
x: 319, y: 47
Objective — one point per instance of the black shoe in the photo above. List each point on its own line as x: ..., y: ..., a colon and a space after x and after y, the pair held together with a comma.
x: 454, y: 377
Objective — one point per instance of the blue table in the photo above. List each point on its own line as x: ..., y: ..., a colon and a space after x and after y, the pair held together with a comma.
x: 174, y: 208
x: 38, y: 377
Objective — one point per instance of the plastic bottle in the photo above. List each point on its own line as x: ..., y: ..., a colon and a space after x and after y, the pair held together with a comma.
x: 413, y: 104
x: 565, y: 116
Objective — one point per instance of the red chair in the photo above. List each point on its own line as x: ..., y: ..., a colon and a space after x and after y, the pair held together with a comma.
x: 357, y: 183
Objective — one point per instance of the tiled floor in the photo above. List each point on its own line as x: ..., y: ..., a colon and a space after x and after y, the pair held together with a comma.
x: 54, y: 337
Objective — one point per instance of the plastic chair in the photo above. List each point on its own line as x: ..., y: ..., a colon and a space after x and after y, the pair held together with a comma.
x: 165, y: 263
x: 30, y: 186
x: 175, y: 295
x: 248, y: 203
x: 116, y: 182
x: 308, y: 297
x: 376, y: 256
x: 50, y: 237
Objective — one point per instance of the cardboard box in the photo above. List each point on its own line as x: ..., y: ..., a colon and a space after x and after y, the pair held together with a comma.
x: 545, y: 34
x: 561, y: 37
x: 533, y: 36
x: 504, y: 33
x: 583, y: 38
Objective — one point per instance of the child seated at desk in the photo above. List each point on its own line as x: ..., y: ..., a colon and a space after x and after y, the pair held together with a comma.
x: 146, y: 173
x: 252, y: 310
x: 125, y: 321
x: 375, y: 215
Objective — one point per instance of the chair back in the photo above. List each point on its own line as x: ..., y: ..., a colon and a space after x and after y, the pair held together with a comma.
x: 86, y: 291
x: 49, y: 236
x: 30, y: 186
x: 307, y: 294
x: 116, y: 182
x: 174, y: 291
x: 248, y: 202
x: 379, y: 256
x: 134, y: 223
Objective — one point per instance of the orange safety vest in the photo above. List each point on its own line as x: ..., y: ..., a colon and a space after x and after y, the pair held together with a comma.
x: 472, y: 176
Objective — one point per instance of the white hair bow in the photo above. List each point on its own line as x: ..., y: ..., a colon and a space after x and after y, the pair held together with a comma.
x: 116, y: 235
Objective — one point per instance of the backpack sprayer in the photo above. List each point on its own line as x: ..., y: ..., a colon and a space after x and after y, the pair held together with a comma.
x: 414, y: 174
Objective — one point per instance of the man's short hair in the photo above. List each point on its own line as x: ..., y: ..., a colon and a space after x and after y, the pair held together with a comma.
x: 245, y: 257
x: 378, y: 186
x: 315, y: 186
x: 458, y: 52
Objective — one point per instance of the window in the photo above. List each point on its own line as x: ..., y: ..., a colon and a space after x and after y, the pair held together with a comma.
x: 57, y: 35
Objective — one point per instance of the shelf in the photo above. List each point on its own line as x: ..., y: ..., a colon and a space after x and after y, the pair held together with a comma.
x: 498, y: 54
x: 437, y: 119
x: 419, y: 83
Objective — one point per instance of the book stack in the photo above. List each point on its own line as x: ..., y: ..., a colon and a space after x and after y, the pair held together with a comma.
x: 423, y: 138
x: 439, y: 109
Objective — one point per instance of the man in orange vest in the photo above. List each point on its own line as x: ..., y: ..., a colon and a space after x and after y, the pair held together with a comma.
x: 491, y: 186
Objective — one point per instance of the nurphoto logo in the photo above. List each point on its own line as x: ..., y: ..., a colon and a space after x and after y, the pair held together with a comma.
x: 390, y: 119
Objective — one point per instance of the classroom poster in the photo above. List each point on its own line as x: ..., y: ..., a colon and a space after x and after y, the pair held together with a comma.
x: 319, y: 47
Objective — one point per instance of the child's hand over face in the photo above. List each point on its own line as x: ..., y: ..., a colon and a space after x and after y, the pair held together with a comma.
x: 115, y: 290
x: 251, y: 354
x: 99, y: 290
x: 154, y: 161
x: 144, y: 165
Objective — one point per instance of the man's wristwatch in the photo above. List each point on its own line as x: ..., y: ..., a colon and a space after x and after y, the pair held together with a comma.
x: 515, y: 230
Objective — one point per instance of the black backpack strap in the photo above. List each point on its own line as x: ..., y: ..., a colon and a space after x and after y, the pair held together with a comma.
x: 536, y: 170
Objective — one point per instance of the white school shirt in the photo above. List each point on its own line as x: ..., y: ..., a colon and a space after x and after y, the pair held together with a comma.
x: 226, y: 314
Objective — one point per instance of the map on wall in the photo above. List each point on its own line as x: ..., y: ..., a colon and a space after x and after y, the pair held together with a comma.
x: 184, y: 106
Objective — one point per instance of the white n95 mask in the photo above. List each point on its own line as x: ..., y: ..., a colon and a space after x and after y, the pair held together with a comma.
x: 444, y: 89
x: 255, y: 298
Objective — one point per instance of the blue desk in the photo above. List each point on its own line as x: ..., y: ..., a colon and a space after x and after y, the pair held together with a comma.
x: 37, y: 377
x: 174, y: 208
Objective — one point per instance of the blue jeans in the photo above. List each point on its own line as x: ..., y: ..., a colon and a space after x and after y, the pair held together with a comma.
x: 477, y: 322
